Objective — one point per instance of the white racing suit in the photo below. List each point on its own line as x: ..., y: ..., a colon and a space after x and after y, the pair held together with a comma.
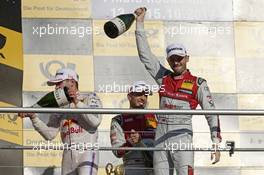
x: 75, y: 129
x: 176, y: 92
x: 135, y: 162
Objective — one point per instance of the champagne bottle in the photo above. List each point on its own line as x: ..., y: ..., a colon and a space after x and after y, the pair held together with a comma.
x: 57, y: 98
x: 119, y: 25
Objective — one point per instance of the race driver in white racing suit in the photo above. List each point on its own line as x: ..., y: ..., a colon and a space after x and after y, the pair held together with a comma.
x: 179, y: 89
x: 75, y: 129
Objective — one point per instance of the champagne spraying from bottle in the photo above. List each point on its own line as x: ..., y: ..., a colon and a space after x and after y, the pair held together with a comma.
x: 120, y: 24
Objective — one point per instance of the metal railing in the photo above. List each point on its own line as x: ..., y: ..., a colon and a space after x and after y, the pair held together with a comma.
x: 223, y: 112
x: 133, y: 111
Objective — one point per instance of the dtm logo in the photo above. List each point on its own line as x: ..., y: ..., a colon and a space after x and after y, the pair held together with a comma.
x: 45, y: 69
x: 2, y: 44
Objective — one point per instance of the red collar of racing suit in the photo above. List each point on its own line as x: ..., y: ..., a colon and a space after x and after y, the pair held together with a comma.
x: 183, y: 87
x: 186, y: 73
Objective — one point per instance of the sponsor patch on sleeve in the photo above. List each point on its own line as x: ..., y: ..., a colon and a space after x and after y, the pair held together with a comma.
x: 200, y: 81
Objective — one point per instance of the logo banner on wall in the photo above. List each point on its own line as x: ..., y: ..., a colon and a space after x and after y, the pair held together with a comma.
x: 56, y: 9
x: 11, y: 69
